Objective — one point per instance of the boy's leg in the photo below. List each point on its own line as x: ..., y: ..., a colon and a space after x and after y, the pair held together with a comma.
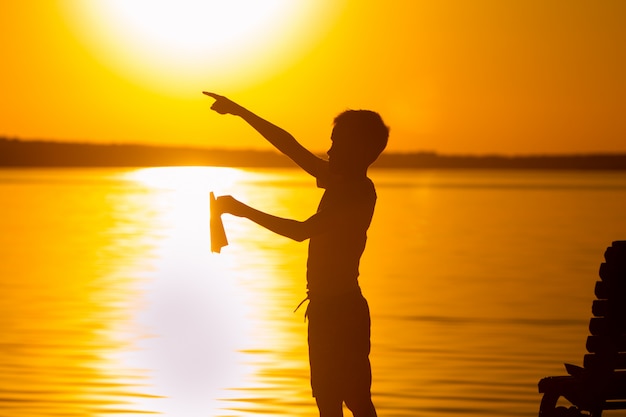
x: 361, y: 407
x: 329, y: 407
x: 357, y: 394
x: 339, y: 345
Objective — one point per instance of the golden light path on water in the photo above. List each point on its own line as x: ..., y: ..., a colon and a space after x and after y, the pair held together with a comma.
x: 479, y: 284
x: 209, y: 343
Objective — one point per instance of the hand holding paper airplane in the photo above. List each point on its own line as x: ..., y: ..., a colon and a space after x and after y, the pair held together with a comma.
x: 218, y: 234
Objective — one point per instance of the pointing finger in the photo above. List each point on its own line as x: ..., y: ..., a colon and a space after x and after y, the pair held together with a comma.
x: 215, y: 96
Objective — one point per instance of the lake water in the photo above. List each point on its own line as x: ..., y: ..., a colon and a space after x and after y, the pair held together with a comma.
x: 480, y: 283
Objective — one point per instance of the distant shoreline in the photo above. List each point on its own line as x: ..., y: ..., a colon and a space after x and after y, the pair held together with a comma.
x: 41, y: 153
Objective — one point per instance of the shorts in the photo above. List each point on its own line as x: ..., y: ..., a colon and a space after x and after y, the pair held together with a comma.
x: 339, y: 346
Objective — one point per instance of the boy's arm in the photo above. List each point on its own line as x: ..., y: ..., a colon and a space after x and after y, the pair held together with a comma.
x: 293, y: 229
x: 281, y: 139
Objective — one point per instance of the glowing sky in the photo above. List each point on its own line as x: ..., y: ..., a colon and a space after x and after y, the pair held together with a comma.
x: 453, y: 76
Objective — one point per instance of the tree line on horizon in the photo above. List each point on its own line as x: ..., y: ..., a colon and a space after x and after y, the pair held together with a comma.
x: 34, y: 153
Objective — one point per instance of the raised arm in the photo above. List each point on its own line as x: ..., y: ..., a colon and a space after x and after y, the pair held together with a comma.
x: 281, y: 139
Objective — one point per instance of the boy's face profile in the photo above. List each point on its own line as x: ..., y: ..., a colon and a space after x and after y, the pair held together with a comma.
x: 358, y: 136
x: 344, y: 156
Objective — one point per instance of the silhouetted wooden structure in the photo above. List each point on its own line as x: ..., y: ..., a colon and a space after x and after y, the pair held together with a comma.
x: 601, y: 383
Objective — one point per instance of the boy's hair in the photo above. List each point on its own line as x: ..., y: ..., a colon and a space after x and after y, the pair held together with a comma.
x: 368, y: 130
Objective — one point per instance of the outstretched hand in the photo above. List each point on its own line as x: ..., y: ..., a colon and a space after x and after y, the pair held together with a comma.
x: 228, y: 204
x: 223, y: 105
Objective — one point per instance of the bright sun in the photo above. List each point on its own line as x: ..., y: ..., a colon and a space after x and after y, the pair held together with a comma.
x: 177, y: 45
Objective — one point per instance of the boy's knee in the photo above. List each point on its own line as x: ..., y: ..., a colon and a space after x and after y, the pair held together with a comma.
x: 361, y: 406
x: 329, y: 406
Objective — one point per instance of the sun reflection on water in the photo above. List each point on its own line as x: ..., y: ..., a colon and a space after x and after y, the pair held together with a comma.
x: 215, y: 343
x: 111, y: 302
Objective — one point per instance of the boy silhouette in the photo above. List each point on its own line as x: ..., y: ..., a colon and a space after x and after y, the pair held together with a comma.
x: 338, y: 314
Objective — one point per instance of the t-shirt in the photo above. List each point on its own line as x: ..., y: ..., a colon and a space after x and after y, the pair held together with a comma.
x: 347, y: 207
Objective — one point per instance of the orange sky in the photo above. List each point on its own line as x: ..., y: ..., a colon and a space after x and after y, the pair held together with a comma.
x: 452, y: 76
